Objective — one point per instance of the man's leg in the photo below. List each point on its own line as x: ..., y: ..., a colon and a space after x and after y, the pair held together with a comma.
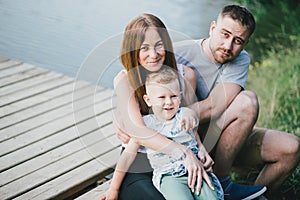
x: 278, y: 152
x: 236, y: 123
x: 281, y: 153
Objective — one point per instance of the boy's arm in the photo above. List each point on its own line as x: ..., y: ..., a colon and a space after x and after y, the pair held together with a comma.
x: 203, y: 155
x: 126, y: 159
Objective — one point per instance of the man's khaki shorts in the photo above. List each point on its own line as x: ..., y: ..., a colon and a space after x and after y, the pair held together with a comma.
x: 250, y: 154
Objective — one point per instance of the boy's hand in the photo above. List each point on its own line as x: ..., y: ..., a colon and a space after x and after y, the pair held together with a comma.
x: 189, y: 119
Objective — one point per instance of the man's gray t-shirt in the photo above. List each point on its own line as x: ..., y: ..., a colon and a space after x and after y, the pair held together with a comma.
x: 190, y: 53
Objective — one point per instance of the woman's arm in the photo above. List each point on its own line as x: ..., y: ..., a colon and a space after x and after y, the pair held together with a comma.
x: 190, y: 79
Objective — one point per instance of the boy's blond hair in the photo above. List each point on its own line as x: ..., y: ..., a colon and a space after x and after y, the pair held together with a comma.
x: 163, y: 76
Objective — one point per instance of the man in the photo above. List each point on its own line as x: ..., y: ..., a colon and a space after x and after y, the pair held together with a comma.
x: 228, y: 113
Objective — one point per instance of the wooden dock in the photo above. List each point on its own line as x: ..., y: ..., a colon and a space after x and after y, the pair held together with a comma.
x: 56, y: 133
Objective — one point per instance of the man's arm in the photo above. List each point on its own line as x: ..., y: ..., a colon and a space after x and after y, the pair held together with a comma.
x: 216, y: 103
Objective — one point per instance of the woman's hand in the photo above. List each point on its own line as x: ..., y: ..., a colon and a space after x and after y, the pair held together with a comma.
x: 205, y: 158
x: 123, y: 136
x: 119, y: 127
x: 195, y: 171
x: 189, y: 119
x: 110, y: 194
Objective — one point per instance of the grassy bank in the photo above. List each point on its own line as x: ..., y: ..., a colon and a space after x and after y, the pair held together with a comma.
x: 275, y: 70
x: 276, y: 81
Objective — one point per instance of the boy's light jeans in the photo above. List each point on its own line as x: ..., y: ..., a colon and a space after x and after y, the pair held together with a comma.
x: 176, y: 188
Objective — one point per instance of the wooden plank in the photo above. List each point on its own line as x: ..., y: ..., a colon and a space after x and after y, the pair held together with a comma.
x: 3, y: 59
x: 6, y: 63
x: 55, y: 170
x: 75, y: 180
x: 39, y: 99
x: 69, y: 110
x: 28, y: 83
x: 48, y: 124
x: 44, y: 107
x: 21, y: 158
x: 48, y: 85
x: 15, y: 69
x: 52, y: 149
x: 56, y: 133
x: 96, y: 192
x: 5, y: 81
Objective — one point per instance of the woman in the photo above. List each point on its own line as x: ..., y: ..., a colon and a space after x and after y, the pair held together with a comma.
x: 147, y: 48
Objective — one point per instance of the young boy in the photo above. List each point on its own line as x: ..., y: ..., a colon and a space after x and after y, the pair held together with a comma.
x: 163, y: 96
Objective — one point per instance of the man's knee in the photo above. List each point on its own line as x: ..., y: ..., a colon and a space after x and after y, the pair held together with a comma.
x: 249, y: 99
x: 248, y: 102
x: 293, y: 149
x: 288, y: 151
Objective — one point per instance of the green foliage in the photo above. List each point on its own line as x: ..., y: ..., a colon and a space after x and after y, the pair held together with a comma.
x: 276, y: 82
x: 277, y: 24
x: 274, y: 73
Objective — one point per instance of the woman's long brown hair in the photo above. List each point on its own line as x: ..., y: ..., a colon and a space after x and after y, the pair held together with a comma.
x: 133, y: 38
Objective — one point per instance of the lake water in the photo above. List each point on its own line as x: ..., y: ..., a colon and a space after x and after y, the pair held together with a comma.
x: 61, y: 34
